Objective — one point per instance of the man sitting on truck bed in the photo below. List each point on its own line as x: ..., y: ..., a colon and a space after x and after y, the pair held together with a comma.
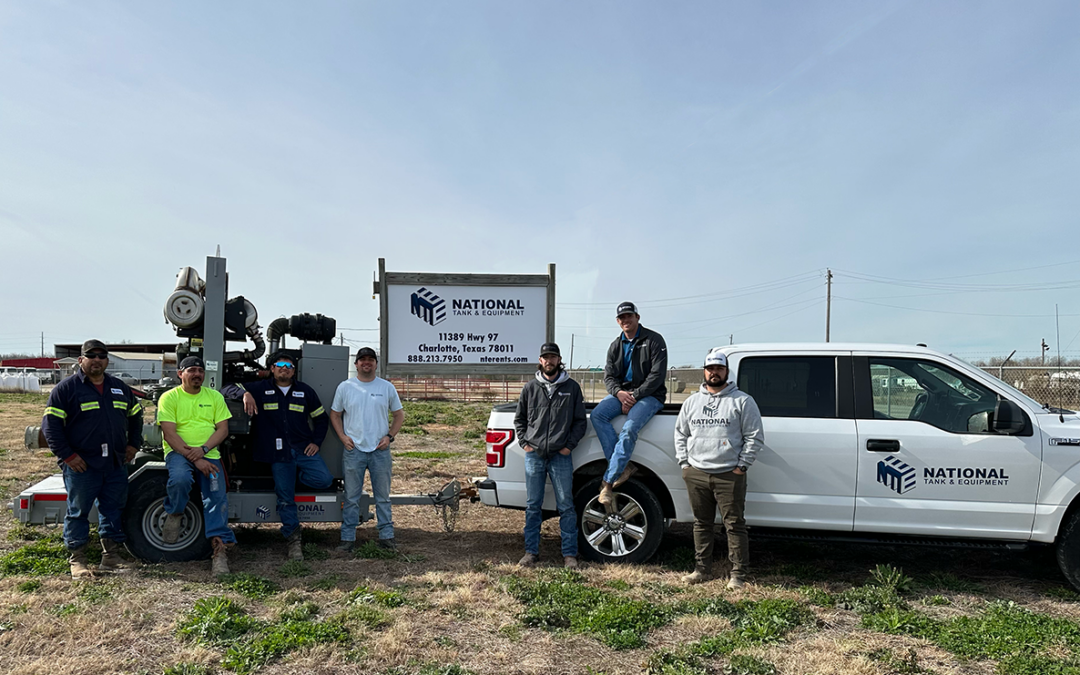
x: 634, y: 377
x: 194, y: 421
x: 285, y: 439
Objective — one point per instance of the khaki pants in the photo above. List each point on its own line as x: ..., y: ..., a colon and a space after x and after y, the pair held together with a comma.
x: 706, y: 491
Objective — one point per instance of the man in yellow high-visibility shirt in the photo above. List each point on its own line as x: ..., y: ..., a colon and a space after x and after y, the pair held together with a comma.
x: 194, y: 421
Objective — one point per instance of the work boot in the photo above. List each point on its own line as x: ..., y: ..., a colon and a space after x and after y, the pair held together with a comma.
x: 346, y: 546
x: 388, y: 544
x: 570, y: 562
x: 735, y: 583
x: 630, y: 470
x: 219, y: 564
x: 112, y: 560
x: 80, y: 568
x: 296, y: 550
x: 528, y: 560
x: 170, y: 529
x: 697, y: 577
x: 607, y: 495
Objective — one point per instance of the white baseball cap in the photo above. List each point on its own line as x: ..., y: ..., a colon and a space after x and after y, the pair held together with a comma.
x: 716, y: 357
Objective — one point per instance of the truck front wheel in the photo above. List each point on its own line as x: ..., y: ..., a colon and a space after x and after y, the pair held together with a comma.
x: 145, y: 514
x: 628, y: 532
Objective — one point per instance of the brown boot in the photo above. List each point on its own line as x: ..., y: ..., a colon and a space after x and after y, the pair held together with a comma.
x: 607, y: 495
x: 80, y: 566
x: 219, y: 564
x: 630, y: 470
x: 170, y: 529
x: 296, y: 547
x: 112, y: 560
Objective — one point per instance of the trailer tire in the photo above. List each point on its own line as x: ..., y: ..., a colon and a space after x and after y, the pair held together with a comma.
x: 631, y: 534
x: 145, y: 514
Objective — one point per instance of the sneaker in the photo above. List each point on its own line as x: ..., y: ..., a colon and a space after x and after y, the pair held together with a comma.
x: 388, y: 544
x: 570, y: 562
x: 528, y: 560
x: 170, y: 530
x: 219, y: 564
x: 697, y: 577
x: 295, y: 544
x: 80, y: 566
x: 346, y: 547
x: 735, y: 583
x: 630, y: 470
x: 607, y: 495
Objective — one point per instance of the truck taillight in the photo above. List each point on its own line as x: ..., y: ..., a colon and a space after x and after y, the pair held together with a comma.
x: 497, y: 440
x: 24, y: 504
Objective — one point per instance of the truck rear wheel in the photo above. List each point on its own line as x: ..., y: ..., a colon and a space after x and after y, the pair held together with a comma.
x: 145, y: 514
x: 629, y: 533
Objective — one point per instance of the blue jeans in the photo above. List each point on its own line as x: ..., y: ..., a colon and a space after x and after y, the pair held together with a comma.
x: 110, y: 488
x: 561, y: 470
x: 215, y: 504
x: 313, y: 473
x: 618, y: 449
x: 377, y: 464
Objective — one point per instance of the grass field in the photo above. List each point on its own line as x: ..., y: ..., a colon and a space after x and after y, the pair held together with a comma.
x: 454, y: 603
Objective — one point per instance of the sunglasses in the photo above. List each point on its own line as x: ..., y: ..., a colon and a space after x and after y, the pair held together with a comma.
x: 284, y: 364
x: 97, y: 355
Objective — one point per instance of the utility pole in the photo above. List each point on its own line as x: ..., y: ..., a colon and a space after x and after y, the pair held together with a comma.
x: 1045, y: 348
x: 828, y: 302
x: 341, y: 339
x: 731, y: 339
x: 43, y: 344
x: 571, y: 351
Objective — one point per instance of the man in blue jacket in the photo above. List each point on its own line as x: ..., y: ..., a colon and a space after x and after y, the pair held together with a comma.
x: 291, y: 424
x: 93, y: 424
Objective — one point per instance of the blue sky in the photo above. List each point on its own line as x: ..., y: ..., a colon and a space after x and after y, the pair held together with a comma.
x: 927, y: 152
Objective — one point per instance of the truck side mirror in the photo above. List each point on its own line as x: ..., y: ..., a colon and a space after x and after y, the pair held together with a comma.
x: 1008, y: 417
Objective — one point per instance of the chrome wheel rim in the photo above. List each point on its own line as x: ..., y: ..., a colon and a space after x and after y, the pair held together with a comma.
x: 618, y: 532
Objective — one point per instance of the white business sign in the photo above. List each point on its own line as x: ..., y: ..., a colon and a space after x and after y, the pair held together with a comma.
x: 431, y: 324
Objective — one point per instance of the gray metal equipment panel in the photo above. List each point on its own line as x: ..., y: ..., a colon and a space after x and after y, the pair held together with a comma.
x: 323, y: 368
x: 217, y: 290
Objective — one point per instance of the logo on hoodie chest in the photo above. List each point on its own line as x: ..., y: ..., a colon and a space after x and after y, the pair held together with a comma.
x: 711, y: 415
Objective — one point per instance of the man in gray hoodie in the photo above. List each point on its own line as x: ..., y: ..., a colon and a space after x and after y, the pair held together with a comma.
x: 717, y: 436
x: 550, y: 422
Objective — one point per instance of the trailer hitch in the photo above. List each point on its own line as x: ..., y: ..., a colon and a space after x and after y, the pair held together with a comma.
x: 447, y: 501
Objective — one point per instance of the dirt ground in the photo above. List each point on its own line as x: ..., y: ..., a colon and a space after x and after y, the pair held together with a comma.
x: 459, y: 613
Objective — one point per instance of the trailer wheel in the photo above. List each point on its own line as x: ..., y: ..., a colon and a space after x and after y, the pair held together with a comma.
x: 630, y: 533
x: 145, y: 514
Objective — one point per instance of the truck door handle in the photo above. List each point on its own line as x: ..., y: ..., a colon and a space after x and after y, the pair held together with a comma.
x: 879, y: 445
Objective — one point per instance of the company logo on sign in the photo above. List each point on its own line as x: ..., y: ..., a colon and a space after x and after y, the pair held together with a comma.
x: 428, y: 307
x: 896, y: 475
x: 262, y: 512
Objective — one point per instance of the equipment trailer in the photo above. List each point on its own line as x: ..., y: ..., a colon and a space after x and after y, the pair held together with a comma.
x: 206, y: 319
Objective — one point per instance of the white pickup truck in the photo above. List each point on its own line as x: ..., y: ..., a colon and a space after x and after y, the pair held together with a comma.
x: 886, y: 442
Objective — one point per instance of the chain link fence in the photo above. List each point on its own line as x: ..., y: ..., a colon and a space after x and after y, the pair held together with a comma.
x: 1045, y: 384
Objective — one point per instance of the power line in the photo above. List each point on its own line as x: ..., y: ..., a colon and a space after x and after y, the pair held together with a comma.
x: 731, y: 293
x: 939, y: 311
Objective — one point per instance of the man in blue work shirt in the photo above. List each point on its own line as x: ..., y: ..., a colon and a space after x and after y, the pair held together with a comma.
x: 93, y: 424
x: 286, y: 440
x: 634, y: 377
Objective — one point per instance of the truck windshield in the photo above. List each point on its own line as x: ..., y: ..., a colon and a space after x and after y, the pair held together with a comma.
x: 1002, y: 383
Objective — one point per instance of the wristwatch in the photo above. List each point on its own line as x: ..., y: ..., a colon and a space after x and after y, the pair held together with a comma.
x: 205, y: 450
x: 744, y: 469
x: 391, y: 437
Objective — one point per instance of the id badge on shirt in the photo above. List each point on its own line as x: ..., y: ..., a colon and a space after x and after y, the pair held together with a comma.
x: 279, y: 445
x: 104, y: 449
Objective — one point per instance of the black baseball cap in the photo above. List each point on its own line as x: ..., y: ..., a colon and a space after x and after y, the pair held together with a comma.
x: 192, y: 362
x: 626, y: 308
x: 550, y: 348
x: 91, y: 345
x: 279, y: 355
x: 365, y: 351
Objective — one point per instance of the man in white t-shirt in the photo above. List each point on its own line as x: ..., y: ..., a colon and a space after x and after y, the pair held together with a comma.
x: 359, y: 415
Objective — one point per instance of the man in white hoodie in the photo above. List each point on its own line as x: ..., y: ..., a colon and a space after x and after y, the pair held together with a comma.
x: 717, y: 436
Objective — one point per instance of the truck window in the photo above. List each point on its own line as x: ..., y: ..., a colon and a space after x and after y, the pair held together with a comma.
x: 790, y: 386
x: 913, y: 389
